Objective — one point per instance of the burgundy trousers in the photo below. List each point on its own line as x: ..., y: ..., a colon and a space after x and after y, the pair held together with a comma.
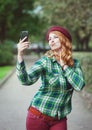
x: 33, y: 122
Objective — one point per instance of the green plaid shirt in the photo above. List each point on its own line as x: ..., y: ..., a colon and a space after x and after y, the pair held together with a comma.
x: 55, y: 93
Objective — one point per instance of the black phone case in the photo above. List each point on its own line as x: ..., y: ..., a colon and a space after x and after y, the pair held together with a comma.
x: 24, y: 34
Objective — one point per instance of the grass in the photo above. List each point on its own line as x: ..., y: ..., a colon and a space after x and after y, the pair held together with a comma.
x: 82, y: 55
x: 4, y: 71
x: 89, y: 89
x: 86, y: 64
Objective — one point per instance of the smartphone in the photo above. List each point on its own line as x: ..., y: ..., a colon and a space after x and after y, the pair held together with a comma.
x: 24, y: 34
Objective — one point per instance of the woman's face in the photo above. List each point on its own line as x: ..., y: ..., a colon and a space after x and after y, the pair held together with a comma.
x: 54, y: 42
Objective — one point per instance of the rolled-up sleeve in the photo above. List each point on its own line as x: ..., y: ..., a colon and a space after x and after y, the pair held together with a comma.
x: 75, y: 76
x: 32, y: 75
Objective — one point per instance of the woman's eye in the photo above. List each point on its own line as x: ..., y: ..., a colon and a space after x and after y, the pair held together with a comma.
x: 52, y: 38
x: 55, y: 37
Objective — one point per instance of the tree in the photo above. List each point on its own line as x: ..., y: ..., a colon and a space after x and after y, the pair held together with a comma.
x: 75, y: 15
x: 17, y: 15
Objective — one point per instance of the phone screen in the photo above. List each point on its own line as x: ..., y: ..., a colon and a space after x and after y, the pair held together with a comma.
x: 24, y: 34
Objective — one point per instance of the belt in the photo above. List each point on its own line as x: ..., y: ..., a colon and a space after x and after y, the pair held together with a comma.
x: 41, y: 115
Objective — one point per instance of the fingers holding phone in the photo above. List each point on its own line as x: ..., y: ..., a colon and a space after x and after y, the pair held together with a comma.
x: 23, y: 43
x: 24, y: 36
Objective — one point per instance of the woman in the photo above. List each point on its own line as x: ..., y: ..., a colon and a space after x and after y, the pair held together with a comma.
x: 60, y: 75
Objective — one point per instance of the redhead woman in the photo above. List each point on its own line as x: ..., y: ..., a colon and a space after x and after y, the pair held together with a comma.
x: 60, y: 74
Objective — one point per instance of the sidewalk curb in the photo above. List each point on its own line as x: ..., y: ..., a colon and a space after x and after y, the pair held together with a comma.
x: 7, y: 77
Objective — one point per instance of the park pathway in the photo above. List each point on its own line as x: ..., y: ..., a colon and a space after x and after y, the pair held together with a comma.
x: 15, y: 99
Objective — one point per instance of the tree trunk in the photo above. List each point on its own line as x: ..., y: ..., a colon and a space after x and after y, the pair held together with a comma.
x: 82, y: 43
x: 3, y: 31
x: 85, y: 42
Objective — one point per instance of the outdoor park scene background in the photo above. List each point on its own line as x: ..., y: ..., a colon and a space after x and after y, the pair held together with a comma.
x: 36, y: 17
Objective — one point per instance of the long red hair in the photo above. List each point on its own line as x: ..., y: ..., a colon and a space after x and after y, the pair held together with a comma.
x: 66, y: 52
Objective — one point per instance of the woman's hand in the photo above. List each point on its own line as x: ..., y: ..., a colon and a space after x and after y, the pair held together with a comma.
x: 22, y: 45
x: 62, y: 62
x: 63, y: 65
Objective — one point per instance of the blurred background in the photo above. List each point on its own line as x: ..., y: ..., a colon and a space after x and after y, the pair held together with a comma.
x: 36, y: 17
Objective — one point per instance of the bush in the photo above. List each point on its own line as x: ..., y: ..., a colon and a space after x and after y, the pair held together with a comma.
x: 6, y: 56
x: 86, y: 64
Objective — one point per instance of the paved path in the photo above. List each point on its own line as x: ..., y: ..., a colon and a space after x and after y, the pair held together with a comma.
x: 15, y: 99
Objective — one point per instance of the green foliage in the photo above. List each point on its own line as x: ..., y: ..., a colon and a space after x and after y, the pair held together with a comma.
x: 17, y: 15
x: 86, y: 64
x: 4, y: 70
x: 73, y: 14
x: 6, y: 56
x: 89, y: 89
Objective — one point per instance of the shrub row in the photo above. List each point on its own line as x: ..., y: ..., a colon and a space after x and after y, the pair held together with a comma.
x: 86, y: 64
x: 6, y: 56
